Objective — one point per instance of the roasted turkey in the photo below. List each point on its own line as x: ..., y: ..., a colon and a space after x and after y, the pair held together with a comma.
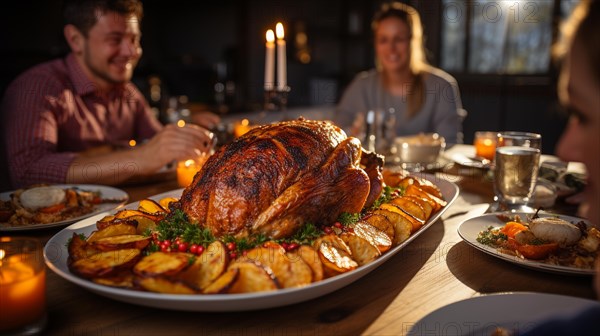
x: 278, y: 177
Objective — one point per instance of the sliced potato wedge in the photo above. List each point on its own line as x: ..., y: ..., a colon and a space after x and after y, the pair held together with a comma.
x: 436, y: 202
x: 207, y: 267
x: 335, y: 255
x: 105, y: 264
x: 410, y: 208
x: 311, y: 258
x: 79, y: 248
x: 381, y: 222
x: 121, y: 242
x: 402, y: 226
x: 426, y: 206
x: 223, y: 283
x: 163, y: 285
x: 161, y: 263
x: 112, y: 220
x: 165, y: 202
x: 122, y: 280
x: 252, y: 277
x: 373, y: 235
x: 394, y: 208
x: 112, y: 231
x: 151, y: 207
x: 363, y: 252
x: 289, y: 273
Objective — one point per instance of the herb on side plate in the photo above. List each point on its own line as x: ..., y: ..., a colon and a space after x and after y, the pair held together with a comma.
x: 491, y: 237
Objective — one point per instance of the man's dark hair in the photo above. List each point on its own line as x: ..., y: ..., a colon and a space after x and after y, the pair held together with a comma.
x: 83, y: 14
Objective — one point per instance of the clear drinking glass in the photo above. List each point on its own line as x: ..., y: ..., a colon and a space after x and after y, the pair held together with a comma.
x: 516, y: 169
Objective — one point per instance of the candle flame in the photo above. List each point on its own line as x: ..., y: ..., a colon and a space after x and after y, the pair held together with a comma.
x: 189, y: 163
x: 2, y: 254
x: 270, y: 36
x: 279, y: 30
x: 180, y: 123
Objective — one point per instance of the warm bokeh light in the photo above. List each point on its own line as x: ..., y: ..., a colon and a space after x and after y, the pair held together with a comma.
x: 270, y: 36
x: 279, y: 30
x: 180, y: 123
x: 132, y: 143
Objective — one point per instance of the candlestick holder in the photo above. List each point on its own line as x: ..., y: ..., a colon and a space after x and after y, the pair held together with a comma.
x: 276, y: 100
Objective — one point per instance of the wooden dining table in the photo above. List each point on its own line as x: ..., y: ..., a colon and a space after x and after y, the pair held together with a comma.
x: 436, y: 269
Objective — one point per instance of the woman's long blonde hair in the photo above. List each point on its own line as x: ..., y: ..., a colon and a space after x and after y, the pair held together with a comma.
x: 418, y: 61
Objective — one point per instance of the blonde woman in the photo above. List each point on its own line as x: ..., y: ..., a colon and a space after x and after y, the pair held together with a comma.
x: 420, y: 97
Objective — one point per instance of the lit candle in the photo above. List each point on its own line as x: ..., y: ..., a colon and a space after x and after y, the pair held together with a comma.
x: 270, y: 61
x: 186, y: 170
x: 22, y: 290
x: 281, y: 59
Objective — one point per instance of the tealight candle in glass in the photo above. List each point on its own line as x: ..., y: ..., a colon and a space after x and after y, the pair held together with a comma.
x: 22, y: 286
x: 187, y: 169
x: 485, y: 144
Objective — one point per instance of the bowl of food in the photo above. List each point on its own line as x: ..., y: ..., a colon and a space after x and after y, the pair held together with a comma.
x: 422, y: 149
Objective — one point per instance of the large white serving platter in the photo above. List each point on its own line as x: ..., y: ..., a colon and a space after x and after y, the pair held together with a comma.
x: 55, y: 254
x: 105, y: 192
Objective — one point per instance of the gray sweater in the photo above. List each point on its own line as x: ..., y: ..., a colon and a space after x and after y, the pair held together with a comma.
x: 439, y: 114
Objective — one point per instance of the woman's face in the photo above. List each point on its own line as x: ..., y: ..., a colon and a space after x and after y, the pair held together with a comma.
x: 579, y: 92
x: 392, y: 44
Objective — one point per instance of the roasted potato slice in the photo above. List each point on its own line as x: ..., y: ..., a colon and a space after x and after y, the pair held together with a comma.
x: 121, y: 280
x: 223, y: 283
x: 289, y: 273
x: 363, y: 252
x: 163, y: 264
x: 393, y: 178
x: 311, y: 258
x: 165, y: 202
x: 416, y: 224
x: 112, y: 220
x: 151, y: 207
x: 207, y: 267
x: 436, y: 202
x: 144, y: 223
x: 335, y: 255
x: 79, y: 248
x: 112, y: 231
x: 121, y: 242
x: 252, y: 277
x: 410, y: 207
x: 426, y: 206
x: 163, y: 285
x: 131, y: 213
x: 381, y: 222
x: 373, y: 235
x: 402, y: 226
x: 105, y: 264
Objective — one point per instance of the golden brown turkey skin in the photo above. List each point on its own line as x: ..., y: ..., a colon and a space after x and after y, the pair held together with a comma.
x: 276, y: 178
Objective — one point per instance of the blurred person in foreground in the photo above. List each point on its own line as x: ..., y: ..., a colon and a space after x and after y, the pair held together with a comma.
x: 423, y: 98
x: 579, y: 92
x: 66, y: 117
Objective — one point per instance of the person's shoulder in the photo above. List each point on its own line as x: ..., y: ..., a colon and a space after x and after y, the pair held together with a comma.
x: 439, y: 76
x: 365, y: 78
x: 50, y: 73
x: 367, y: 75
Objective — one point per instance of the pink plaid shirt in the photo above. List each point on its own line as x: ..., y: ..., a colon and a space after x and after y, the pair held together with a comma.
x: 53, y: 111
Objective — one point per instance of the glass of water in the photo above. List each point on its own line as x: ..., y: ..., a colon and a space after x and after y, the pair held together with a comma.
x: 516, y: 169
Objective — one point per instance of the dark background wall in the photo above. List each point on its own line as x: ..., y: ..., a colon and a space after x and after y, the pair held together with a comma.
x: 186, y: 41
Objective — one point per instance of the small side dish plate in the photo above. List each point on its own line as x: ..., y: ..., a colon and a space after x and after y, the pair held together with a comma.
x: 470, y: 229
x: 119, y: 196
